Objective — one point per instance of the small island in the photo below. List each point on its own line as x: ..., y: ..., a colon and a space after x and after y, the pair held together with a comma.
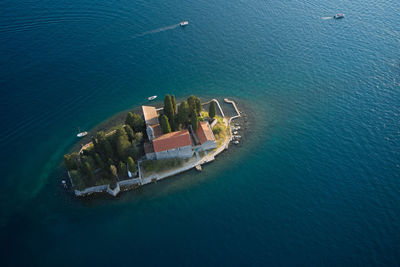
x: 159, y: 143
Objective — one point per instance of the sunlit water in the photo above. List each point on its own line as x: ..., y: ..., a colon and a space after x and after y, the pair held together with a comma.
x: 315, y: 182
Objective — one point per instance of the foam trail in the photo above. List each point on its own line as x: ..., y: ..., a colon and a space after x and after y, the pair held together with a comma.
x: 325, y: 18
x: 171, y: 27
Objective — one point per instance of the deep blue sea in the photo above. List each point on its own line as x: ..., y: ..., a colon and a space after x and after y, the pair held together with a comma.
x: 315, y: 182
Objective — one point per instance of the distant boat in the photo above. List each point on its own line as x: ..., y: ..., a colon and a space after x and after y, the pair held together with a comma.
x: 82, y: 134
x: 338, y: 16
x: 184, y: 23
x: 152, y: 97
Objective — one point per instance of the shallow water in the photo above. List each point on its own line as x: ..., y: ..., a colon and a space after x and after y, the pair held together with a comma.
x: 315, y: 182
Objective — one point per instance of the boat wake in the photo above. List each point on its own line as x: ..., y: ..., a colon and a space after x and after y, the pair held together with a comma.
x: 325, y: 18
x: 162, y: 29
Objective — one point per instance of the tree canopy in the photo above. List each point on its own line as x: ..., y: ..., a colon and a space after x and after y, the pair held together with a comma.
x: 183, y: 113
x: 166, y: 128
x: 131, y: 165
x: 135, y: 121
x: 194, y: 120
x: 212, y: 109
x: 169, y: 111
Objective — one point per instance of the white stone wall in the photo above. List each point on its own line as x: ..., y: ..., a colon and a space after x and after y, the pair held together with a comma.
x: 208, y: 145
x: 150, y: 133
x: 151, y: 156
x: 182, y: 152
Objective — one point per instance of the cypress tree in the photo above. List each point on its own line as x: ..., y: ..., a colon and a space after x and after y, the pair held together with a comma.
x: 194, y: 120
x: 192, y: 103
x: 198, y: 105
x: 122, y: 143
x: 130, y: 133
x: 166, y: 128
x: 99, y: 161
x: 87, y: 169
x: 183, y: 113
x: 114, y: 176
x: 173, y: 103
x: 121, y: 169
x: 212, y: 109
x: 129, y: 119
x: 131, y: 165
x: 169, y: 110
x: 138, y: 123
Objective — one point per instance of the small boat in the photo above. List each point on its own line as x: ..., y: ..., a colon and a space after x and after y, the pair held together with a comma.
x: 235, y: 132
x: 152, y: 97
x: 82, y: 134
x: 338, y: 16
x: 236, y: 142
x: 184, y: 23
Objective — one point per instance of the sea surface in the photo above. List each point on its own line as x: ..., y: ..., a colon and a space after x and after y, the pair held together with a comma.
x: 315, y: 182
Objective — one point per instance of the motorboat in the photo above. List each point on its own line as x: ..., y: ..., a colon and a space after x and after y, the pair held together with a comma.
x: 82, y: 134
x: 236, y: 142
x: 338, y: 16
x: 184, y: 23
x: 152, y: 97
x: 235, y: 132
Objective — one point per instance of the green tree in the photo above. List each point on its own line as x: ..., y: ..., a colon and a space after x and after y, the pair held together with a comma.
x: 173, y: 103
x: 198, y: 105
x: 88, y: 171
x: 122, y: 169
x: 131, y: 165
x: 71, y: 161
x: 212, y: 109
x: 130, y: 133
x: 139, y: 137
x: 192, y: 102
x: 169, y: 110
x: 99, y: 161
x: 135, y: 121
x: 114, y: 176
x: 122, y: 143
x: 105, y: 149
x: 194, y: 120
x: 166, y: 128
x: 183, y: 113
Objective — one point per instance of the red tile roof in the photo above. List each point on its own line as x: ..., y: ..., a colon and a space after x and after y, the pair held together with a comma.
x: 204, y: 132
x: 172, y: 140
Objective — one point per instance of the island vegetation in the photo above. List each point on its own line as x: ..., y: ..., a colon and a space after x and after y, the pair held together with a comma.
x: 112, y: 156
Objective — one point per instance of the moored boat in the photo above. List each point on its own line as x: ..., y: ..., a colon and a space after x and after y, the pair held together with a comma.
x: 152, y: 97
x: 338, y: 16
x: 82, y: 134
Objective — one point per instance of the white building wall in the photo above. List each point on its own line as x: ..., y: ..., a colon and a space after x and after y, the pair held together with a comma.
x: 182, y: 152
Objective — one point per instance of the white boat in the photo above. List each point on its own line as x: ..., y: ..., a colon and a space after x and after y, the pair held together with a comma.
x: 152, y: 97
x: 235, y: 132
x: 184, y: 23
x: 82, y: 134
x: 236, y: 142
x: 339, y: 16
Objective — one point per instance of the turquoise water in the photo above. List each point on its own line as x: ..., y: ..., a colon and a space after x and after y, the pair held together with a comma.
x: 315, y: 182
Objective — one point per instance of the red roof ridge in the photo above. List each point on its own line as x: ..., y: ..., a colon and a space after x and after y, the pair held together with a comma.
x: 172, y: 140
